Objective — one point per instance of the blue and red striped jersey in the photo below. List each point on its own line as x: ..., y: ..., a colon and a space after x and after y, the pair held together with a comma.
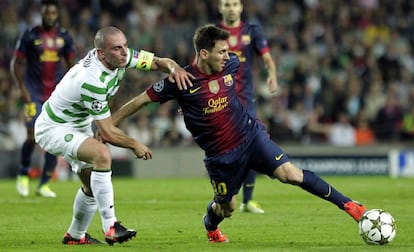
x: 44, y: 50
x: 212, y: 112
x: 245, y: 41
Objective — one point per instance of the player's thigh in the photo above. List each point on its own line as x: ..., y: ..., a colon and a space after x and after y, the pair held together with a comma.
x: 93, y: 151
x: 266, y: 155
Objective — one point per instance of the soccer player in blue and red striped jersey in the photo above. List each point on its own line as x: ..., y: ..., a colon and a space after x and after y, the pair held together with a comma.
x: 232, y: 139
x: 45, y: 52
x: 247, y: 40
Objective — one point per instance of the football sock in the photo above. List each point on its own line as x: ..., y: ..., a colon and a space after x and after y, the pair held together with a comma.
x: 248, y: 186
x: 48, y: 168
x: 211, y: 220
x: 26, y: 155
x: 102, y: 189
x: 317, y: 186
x: 84, y: 208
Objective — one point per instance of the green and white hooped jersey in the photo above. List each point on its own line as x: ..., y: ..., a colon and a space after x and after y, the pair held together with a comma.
x: 83, y: 95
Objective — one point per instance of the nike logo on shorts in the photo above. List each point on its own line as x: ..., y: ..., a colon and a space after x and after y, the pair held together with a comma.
x: 279, y: 157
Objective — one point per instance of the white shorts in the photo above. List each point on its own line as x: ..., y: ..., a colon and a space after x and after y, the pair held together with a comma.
x: 62, y: 141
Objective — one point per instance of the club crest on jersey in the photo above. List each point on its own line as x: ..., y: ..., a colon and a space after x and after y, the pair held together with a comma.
x: 213, y: 86
x: 60, y: 42
x: 159, y: 86
x: 228, y: 80
x: 245, y: 39
x: 233, y: 40
x: 50, y: 42
x: 68, y: 137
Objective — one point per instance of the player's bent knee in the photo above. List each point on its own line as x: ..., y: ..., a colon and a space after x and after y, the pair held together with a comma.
x: 227, y: 213
x: 290, y: 174
x: 103, y: 157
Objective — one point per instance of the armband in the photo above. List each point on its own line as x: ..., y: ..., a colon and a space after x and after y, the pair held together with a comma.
x: 144, y: 60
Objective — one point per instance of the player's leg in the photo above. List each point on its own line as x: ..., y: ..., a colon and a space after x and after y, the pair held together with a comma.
x: 214, y: 216
x: 26, y: 154
x: 275, y: 163
x: 227, y: 173
x: 309, y: 181
x: 94, y: 152
x: 248, y: 204
x: 47, y: 172
x: 84, y: 208
x: 31, y: 112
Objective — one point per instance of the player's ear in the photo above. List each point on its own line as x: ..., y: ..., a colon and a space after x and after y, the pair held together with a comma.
x: 99, y: 51
x: 203, y: 53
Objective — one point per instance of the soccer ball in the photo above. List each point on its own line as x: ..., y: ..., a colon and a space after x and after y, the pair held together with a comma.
x: 377, y: 226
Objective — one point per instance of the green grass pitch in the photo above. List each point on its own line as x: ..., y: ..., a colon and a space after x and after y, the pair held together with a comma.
x: 167, y: 214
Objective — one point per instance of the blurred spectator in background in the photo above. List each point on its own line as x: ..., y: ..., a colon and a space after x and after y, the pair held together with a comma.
x: 364, y: 135
x: 388, y: 121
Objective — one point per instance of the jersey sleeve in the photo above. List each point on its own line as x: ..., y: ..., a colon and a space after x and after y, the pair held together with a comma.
x: 22, y: 43
x: 260, y: 42
x: 162, y: 91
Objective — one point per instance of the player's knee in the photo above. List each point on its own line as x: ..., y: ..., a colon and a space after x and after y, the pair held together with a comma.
x: 103, y: 157
x: 228, y: 213
x: 290, y: 174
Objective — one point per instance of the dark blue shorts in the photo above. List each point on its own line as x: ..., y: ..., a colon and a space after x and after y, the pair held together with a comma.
x: 227, y: 171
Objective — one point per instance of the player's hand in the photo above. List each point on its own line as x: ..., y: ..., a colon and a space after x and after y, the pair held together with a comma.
x: 272, y: 84
x: 142, y: 151
x: 183, y: 78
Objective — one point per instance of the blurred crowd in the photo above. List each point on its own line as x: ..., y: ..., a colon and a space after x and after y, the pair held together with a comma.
x: 345, y: 67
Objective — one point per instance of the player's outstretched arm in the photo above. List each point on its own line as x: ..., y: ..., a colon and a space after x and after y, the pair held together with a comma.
x: 177, y: 74
x: 131, y: 107
x: 111, y: 134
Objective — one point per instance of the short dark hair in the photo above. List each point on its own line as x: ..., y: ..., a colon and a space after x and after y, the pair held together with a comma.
x: 205, y: 37
x: 50, y: 2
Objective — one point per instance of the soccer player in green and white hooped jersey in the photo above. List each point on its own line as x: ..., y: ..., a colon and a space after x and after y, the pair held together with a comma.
x: 64, y: 127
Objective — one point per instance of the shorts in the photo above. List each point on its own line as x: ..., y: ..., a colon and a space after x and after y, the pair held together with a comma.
x: 62, y: 141
x: 228, y: 171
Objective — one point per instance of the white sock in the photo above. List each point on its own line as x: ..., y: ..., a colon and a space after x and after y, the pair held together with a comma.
x: 84, y: 208
x: 102, y: 189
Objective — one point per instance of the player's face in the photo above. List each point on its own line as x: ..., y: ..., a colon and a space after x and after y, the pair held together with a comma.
x: 115, y: 51
x: 217, y: 57
x: 50, y: 16
x: 231, y: 10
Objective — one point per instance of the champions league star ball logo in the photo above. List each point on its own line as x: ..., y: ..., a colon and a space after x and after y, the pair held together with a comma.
x: 97, y: 106
x: 159, y: 86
